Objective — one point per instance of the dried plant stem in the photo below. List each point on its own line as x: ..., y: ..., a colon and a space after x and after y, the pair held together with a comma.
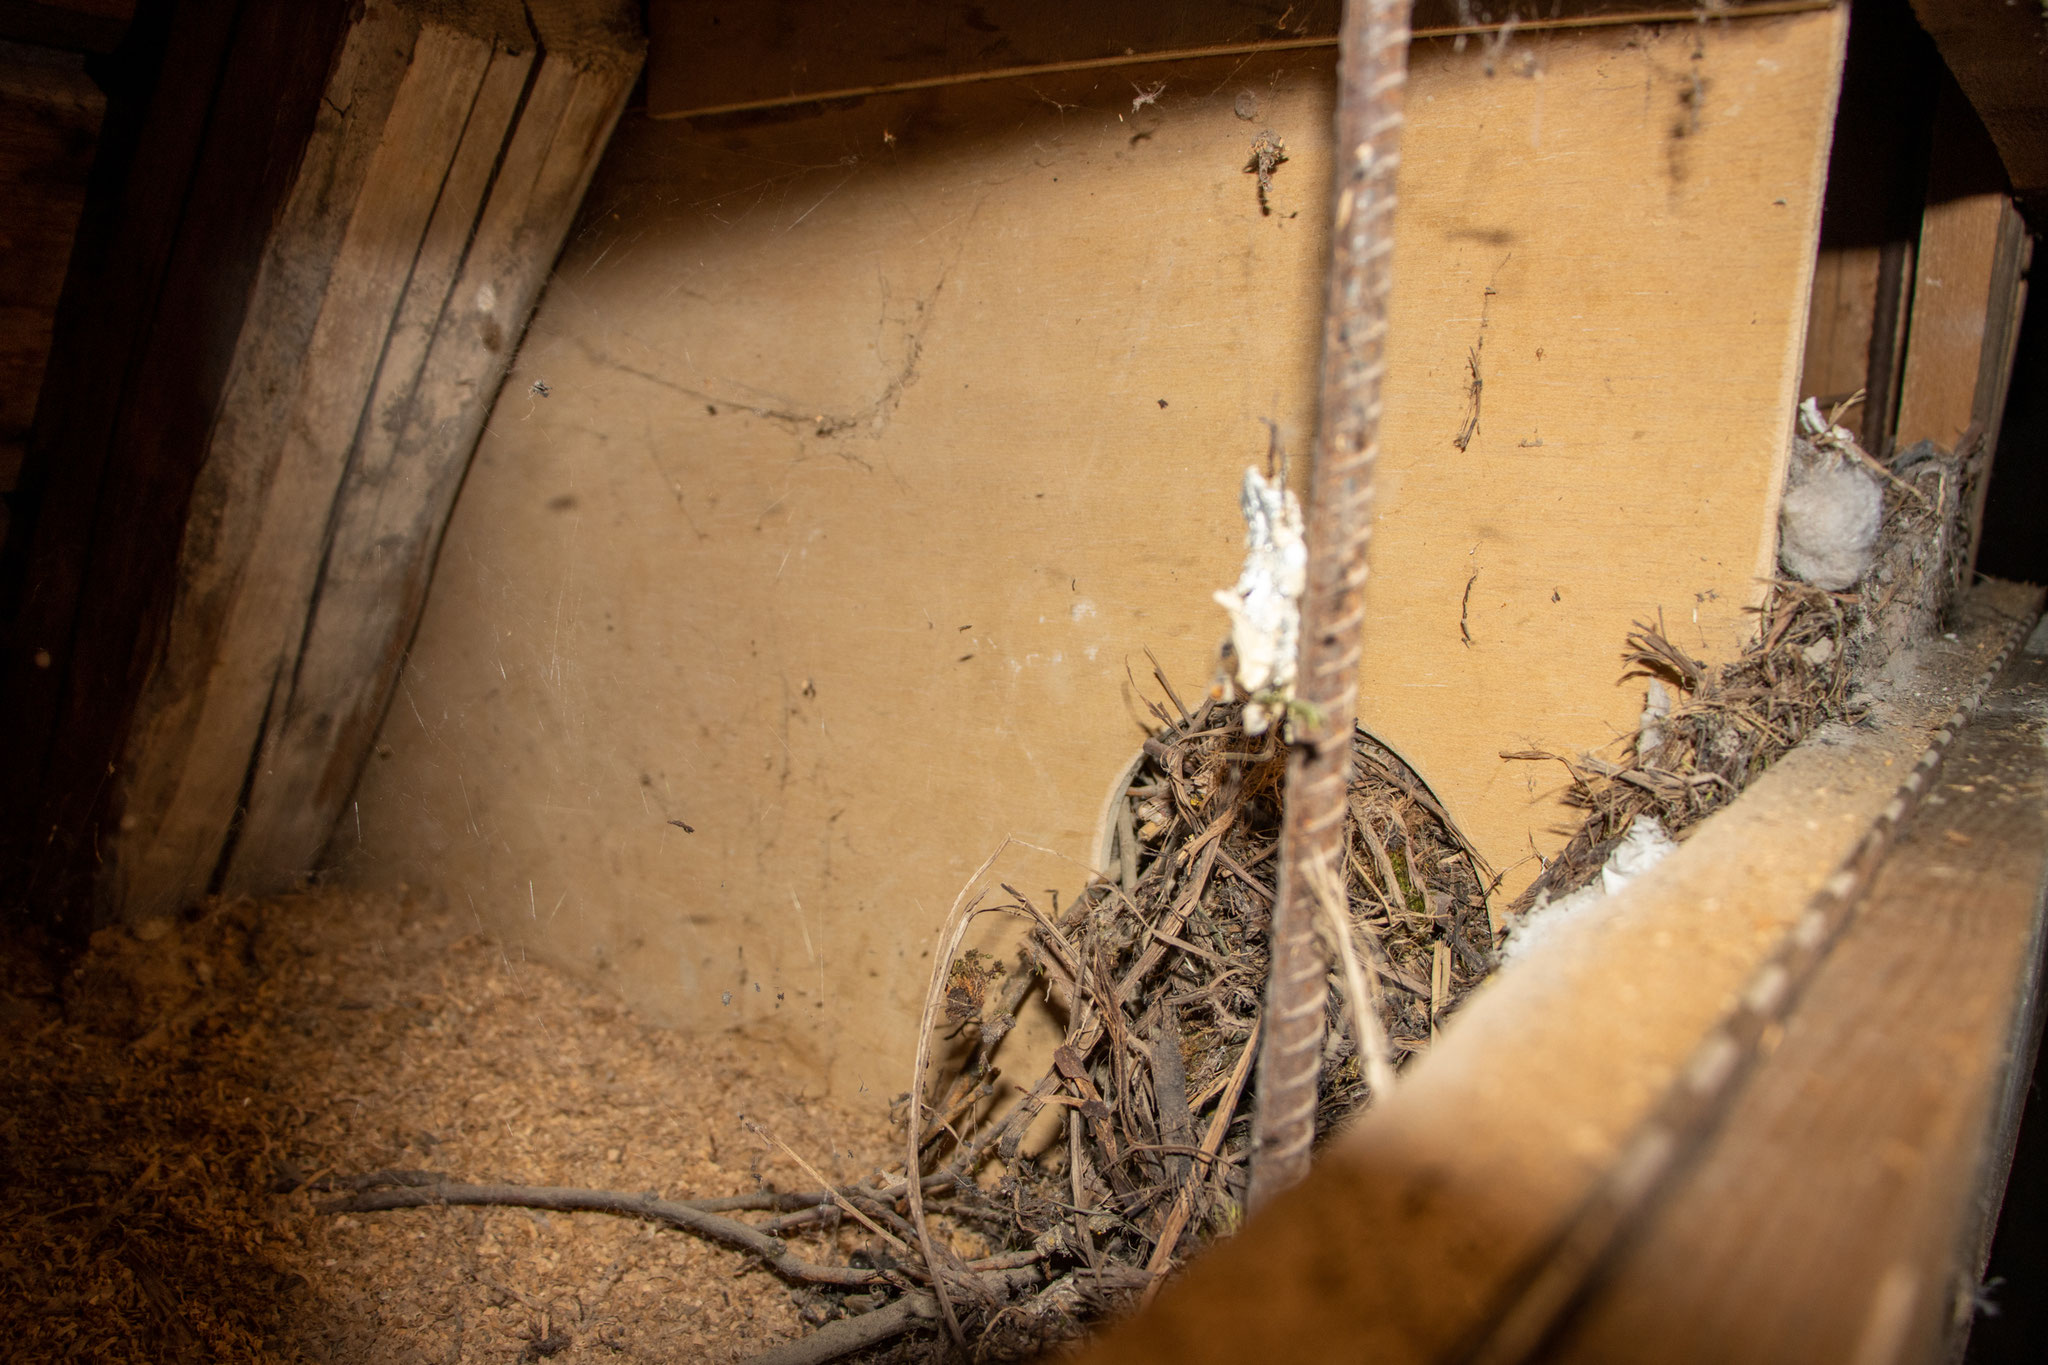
x: 725, y: 1231
x: 1372, y: 73
x: 846, y: 1335
x: 1184, y: 1198
x: 841, y: 1200
x: 1361, y: 987
x: 955, y: 929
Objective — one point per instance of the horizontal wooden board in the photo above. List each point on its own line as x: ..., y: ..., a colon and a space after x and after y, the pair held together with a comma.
x: 1844, y: 1210
x: 715, y: 56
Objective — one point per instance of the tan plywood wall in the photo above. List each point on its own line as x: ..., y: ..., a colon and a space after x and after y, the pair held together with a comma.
x: 851, y: 460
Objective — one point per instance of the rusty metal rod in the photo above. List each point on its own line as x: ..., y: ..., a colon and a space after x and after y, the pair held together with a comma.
x: 1372, y: 67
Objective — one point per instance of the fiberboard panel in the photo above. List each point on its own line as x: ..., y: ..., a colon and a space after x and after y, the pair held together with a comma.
x: 851, y: 459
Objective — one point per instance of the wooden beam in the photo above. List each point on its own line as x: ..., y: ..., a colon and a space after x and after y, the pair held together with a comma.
x: 1876, y: 190
x: 1841, y: 317
x: 1966, y: 290
x: 1967, y: 302
x: 469, y: 297
x: 1844, y: 1212
x: 1999, y: 54
x: 2010, y: 268
x: 193, y: 167
x: 335, y: 267
x: 451, y: 153
x: 714, y: 57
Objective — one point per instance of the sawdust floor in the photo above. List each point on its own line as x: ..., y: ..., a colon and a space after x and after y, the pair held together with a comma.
x: 157, y: 1097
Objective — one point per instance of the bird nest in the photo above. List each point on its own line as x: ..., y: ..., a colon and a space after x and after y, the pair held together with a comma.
x: 1156, y: 973
x: 1711, y: 729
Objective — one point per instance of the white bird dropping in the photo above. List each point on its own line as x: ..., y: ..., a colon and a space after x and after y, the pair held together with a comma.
x: 1265, y: 606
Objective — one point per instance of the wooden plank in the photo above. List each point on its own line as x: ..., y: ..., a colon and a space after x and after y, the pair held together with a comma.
x: 1964, y: 288
x: 1844, y: 1211
x: 1517, y: 612
x: 718, y: 57
x: 2000, y: 61
x: 1403, y: 1238
x: 439, y: 379
x: 190, y: 175
x: 334, y: 271
x: 1877, y: 188
x: 1840, y: 321
x: 2011, y: 267
x: 1952, y: 312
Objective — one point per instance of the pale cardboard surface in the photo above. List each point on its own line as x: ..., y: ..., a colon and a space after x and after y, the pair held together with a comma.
x: 875, y: 613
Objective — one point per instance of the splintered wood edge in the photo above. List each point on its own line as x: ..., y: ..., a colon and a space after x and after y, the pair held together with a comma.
x: 1406, y: 1230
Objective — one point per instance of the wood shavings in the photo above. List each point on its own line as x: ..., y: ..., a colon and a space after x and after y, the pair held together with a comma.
x: 174, y: 1107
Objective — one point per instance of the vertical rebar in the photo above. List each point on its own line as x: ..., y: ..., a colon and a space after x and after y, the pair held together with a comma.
x: 1372, y: 73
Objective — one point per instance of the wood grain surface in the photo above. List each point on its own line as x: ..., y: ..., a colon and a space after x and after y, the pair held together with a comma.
x: 1844, y: 1210
x: 481, y: 266
x: 334, y: 269
x: 713, y: 56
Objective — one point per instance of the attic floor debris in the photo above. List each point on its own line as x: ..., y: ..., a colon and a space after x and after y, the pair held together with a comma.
x: 159, y: 1101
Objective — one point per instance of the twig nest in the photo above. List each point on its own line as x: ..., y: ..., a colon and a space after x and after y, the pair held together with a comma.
x: 1828, y: 524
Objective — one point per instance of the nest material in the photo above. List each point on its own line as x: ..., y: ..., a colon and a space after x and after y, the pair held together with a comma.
x: 1159, y: 976
x: 1812, y: 650
x: 1726, y: 725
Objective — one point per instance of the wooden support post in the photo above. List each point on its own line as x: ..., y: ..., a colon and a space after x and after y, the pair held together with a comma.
x: 335, y: 271
x: 413, y: 218
x: 1966, y: 288
x: 1840, y: 319
x: 466, y: 304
